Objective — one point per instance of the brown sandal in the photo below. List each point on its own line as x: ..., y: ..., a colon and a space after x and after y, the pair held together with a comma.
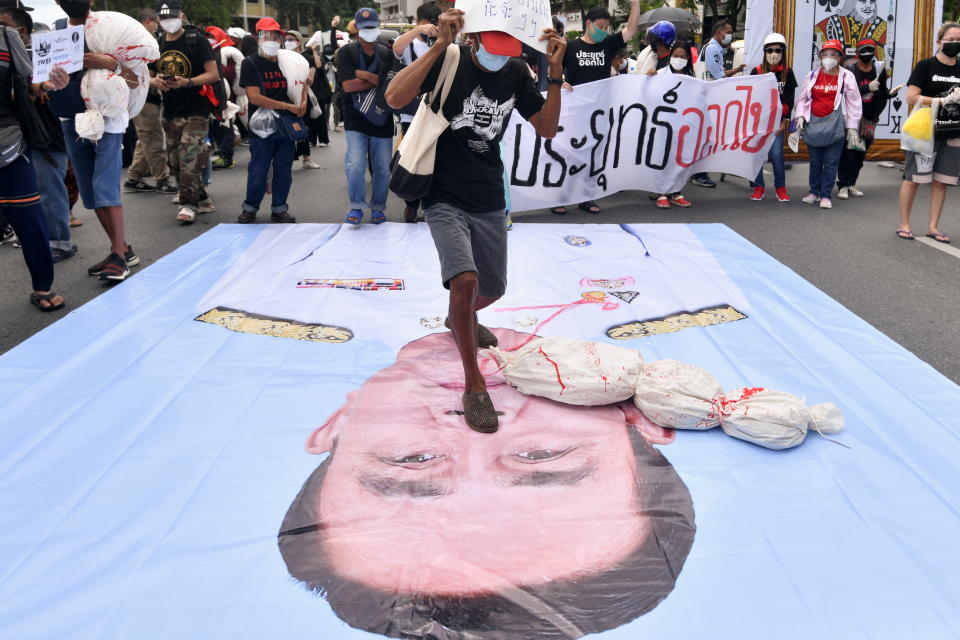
x: 36, y: 298
x: 479, y: 413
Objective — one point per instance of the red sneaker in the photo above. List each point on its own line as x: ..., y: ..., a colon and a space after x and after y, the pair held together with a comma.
x: 663, y: 203
x: 782, y: 194
x: 757, y: 193
x: 680, y: 201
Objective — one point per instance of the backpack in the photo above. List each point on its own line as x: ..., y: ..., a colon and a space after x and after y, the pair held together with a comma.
x: 193, y: 35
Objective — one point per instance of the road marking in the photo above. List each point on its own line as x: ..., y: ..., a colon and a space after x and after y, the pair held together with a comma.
x: 942, y: 246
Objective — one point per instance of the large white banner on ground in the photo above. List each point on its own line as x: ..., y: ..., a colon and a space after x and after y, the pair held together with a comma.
x: 642, y: 132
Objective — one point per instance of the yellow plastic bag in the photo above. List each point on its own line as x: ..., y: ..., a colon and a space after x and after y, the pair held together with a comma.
x: 917, y: 132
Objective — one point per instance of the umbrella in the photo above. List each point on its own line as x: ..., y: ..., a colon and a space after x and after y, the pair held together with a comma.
x: 681, y: 18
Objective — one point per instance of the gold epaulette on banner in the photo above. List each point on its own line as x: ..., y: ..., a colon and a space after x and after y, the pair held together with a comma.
x: 243, y: 322
x: 675, y: 322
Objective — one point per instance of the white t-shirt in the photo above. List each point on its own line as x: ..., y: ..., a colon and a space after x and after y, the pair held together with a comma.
x: 420, y: 47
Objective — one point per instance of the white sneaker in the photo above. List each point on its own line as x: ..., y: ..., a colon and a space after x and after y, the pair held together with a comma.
x: 206, y: 206
x: 809, y: 199
x: 323, y: 144
x: 856, y: 193
x: 843, y: 193
x: 175, y: 199
x: 825, y: 203
x: 186, y: 215
x: 886, y: 164
x: 310, y: 164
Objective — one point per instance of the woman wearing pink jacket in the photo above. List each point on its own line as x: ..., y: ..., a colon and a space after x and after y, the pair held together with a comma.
x: 829, y: 103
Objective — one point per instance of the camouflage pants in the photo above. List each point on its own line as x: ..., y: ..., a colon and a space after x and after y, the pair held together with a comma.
x: 187, y: 155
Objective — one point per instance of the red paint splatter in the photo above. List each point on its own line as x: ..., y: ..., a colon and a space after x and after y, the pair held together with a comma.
x: 556, y: 368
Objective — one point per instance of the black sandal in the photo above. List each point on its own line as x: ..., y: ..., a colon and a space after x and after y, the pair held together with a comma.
x: 479, y: 413
x: 36, y: 298
x: 589, y: 207
x: 485, y: 337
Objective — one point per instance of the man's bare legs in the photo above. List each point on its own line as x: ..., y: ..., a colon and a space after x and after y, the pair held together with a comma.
x: 111, y: 219
x: 465, y: 301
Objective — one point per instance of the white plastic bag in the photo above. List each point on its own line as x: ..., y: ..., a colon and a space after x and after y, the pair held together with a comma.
x: 106, y: 95
x: 917, y: 132
x: 125, y: 39
x: 571, y: 371
x: 264, y: 122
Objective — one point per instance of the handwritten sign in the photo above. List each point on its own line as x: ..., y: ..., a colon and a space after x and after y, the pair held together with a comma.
x: 648, y: 133
x: 62, y: 48
x: 525, y: 20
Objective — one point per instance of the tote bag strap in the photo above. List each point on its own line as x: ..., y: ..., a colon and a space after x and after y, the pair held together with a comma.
x: 445, y: 80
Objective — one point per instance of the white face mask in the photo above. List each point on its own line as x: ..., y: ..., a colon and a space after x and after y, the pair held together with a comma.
x: 679, y: 64
x: 270, y: 47
x: 290, y: 44
x: 728, y: 38
x: 773, y: 59
x: 829, y: 63
x: 171, y: 25
x: 369, y: 35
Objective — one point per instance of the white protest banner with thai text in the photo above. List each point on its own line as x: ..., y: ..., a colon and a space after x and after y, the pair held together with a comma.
x: 62, y: 48
x: 648, y: 133
x: 525, y: 20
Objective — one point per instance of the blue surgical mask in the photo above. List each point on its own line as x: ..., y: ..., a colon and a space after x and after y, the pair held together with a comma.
x: 489, y: 61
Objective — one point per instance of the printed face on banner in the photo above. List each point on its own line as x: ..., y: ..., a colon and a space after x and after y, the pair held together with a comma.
x: 851, y: 21
x: 565, y: 521
x: 525, y: 20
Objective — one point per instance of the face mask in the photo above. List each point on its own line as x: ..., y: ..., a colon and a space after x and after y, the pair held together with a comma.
x: 951, y: 49
x: 829, y: 63
x: 290, y: 45
x: 75, y: 8
x: 728, y: 38
x: 270, y: 47
x: 369, y: 35
x: 773, y: 59
x: 597, y: 34
x: 678, y: 64
x: 489, y: 61
x: 171, y: 25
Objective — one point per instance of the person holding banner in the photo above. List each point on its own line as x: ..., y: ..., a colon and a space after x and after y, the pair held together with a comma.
x: 829, y: 103
x: 465, y: 205
x: 775, y: 62
x: 680, y: 61
x: 934, y: 81
x: 872, y: 81
x: 589, y: 57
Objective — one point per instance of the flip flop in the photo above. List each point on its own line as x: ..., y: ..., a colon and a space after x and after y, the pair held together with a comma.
x: 35, y: 299
x: 940, y: 237
x: 478, y: 412
x: 903, y: 233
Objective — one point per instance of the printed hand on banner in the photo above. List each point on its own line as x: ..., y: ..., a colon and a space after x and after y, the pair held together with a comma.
x: 449, y: 25
x: 556, y: 46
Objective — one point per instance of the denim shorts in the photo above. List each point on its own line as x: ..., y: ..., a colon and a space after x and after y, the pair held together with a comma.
x: 97, y: 165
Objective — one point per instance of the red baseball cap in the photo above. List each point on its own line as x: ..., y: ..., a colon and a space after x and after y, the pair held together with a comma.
x: 867, y: 42
x: 500, y: 44
x: 267, y: 24
x: 220, y: 36
x: 836, y: 45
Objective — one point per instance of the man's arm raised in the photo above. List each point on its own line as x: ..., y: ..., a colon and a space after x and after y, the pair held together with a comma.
x: 406, y: 85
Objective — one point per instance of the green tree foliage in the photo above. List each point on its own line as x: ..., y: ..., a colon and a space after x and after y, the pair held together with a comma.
x: 730, y: 9
x: 951, y: 10
x: 201, y: 12
x: 317, y: 14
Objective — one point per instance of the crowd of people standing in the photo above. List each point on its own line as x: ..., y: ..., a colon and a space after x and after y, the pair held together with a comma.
x: 208, y: 84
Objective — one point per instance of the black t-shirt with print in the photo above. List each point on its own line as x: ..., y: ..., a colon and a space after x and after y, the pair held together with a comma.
x: 584, y: 62
x: 185, y: 59
x: 933, y: 77
x: 468, y: 172
x: 257, y: 71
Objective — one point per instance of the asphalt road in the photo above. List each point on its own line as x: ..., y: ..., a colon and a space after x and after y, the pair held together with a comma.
x: 908, y: 290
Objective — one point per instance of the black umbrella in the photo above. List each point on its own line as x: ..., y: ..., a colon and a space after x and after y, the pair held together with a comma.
x: 682, y: 19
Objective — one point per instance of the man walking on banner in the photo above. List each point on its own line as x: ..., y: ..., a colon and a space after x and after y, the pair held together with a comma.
x: 465, y: 205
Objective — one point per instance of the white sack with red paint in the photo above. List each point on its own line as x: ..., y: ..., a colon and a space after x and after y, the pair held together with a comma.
x: 295, y: 69
x: 571, y: 371
x: 683, y: 396
x: 105, y: 94
x: 124, y: 39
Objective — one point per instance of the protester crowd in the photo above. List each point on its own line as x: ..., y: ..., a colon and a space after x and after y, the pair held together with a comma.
x: 209, y: 90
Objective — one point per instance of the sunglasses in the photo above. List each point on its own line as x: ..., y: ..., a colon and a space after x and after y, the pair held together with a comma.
x: 773, y: 50
x: 867, y: 50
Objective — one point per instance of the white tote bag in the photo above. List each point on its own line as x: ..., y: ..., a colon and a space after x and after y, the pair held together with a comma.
x: 412, y: 167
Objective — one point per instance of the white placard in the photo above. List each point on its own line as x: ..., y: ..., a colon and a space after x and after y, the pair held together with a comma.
x: 648, y: 133
x: 525, y: 20
x: 62, y: 48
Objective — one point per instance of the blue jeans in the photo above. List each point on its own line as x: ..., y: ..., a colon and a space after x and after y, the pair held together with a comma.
x: 51, y: 169
x: 824, y: 162
x: 98, y: 166
x: 20, y: 205
x: 364, y: 151
x: 275, y: 151
x: 776, y: 161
